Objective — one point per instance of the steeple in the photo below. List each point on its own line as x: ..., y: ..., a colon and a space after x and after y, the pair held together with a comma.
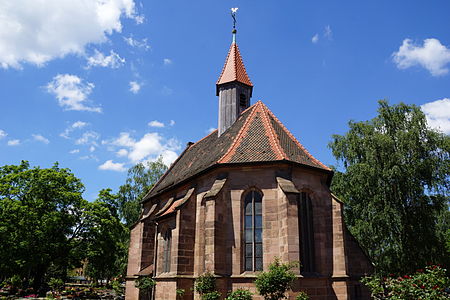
x: 233, y: 87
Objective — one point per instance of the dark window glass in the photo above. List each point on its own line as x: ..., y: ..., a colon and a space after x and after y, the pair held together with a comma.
x: 253, y: 231
x: 166, y: 250
x: 242, y: 101
x: 305, y: 214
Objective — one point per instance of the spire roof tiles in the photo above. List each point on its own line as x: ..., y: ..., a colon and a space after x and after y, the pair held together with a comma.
x: 234, y: 69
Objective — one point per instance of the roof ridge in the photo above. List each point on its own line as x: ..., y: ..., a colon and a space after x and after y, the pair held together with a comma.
x: 226, y: 156
x: 279, y: 151
x: 296, y: 141
x: 243, y: 66
x: 224, y: 66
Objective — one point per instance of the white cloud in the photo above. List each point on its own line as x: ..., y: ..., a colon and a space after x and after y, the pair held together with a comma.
x: 150, y: 146
x: 40, y: 138
x: 74, y: 151
x: 38, y: 31
x: 315, y: 38
x: 74, y: 126
x: 88, y: 138
x: 2, y: 134
x: 112, y: 166
x: 167, y: 61
x: 172, y: 123
x: 328, y: 33
x: 122, y: 152
x: 432, y: 55
x: 92, y: 148
x: 13, y: 142
x: 135, y: 87
x: 142, y: 44
x: 71, y: 92
x: 166, y: 91
x: 113, y: 60
x: 155, y: 123
x: 210, y: 129
x: 438, y: 114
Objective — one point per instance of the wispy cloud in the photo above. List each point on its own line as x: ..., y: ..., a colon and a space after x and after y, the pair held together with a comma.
x: 74, y: 151
x: 167, y: 61
x: 172, y: 123
x: 72, y: 93
x: 135, y: 87
x: 156, y: 123
x: 166, y: 91
x: 141, y: 44
x: 328, y: 33
x: 88, y: 138
x: 432, y: 55
x: 438, y: 114
x: 71, y: 128
x: 315, y: 38
x: 40, y: 138
x: 13, y: 143
x: 2, y: 134
x: 113, y: 60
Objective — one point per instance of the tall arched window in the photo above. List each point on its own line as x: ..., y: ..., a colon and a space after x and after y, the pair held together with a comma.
x: 305, y: 216
x: 253, y: 231
x: 166, y: 250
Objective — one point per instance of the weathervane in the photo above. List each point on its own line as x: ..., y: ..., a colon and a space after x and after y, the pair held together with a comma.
x: 233, y: 15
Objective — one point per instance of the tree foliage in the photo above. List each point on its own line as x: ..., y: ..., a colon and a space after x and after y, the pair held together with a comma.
x: 395, y: 186
x: 41, y: 221
x: 140, y: 180
x: 106, y: 239
x: 274, y: 284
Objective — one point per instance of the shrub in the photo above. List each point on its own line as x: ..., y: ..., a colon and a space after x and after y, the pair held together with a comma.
x: 272, y: 285
x: 302, y: 296
x: 428, y: 284
x: 180, y: 293
x: 205, y: 283
x: 215, y: 295
x: 56, y: 284
x: 240, y: 294
x: 144, y: 283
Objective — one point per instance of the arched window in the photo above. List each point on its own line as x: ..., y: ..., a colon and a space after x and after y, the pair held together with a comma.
x: 305, y: 216
x: 166, y: 250
x: 253, y: 231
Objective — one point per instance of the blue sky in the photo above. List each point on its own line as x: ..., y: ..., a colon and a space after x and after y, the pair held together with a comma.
x: 98, y: 85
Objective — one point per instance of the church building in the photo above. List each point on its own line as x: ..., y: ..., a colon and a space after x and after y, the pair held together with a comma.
x: 235, y: 200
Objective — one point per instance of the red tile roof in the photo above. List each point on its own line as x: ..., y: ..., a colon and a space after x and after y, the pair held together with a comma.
x: 234, y: 69
x: 256, y: 136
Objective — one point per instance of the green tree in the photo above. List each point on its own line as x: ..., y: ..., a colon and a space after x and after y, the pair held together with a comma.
x: 106, y: 239
x: 394, y: 182
x: 40, y: 221
x: 140, y: 180
x: 274, y: 284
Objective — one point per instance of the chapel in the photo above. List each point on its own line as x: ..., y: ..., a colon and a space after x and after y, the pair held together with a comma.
x: 235, y: 200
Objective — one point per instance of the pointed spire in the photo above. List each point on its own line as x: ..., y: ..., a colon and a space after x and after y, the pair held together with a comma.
x: 234, y: 69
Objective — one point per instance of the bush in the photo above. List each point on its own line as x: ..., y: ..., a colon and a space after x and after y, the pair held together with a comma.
x: 144, y: 283
x: 302, y: 296
x: 272, y: 285
x: 240, y: 294
x: 180, y: 293
x: 56, y: 284
x: 205, y: 283
x: 215, y: 295
x: 428, y: 284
